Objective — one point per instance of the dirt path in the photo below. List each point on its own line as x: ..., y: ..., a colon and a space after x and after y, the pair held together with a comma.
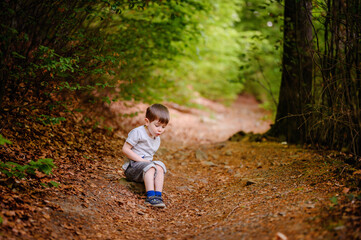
x: 226, y: 190
x: 215, y: 189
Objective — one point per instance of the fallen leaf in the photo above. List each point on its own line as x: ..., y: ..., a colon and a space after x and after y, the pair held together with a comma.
x: 281, y: 236
x: 345, y: 190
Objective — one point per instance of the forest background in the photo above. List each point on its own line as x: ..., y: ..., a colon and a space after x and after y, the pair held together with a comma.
x: 152, y: 51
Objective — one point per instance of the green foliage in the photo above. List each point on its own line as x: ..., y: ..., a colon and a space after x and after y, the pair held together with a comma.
x: 108, y: 129
x: 260, y: 40
x: 209, y: 61
x: 129, y: 115
x: 11, y: 169
x: 50, y: 184
x: 143, y: 42
x: 4, y: 141
x: 46, y: 120
x: 141, y: 50
x: 53, y: 62
x: 334, y: 200
x: 44, y: 165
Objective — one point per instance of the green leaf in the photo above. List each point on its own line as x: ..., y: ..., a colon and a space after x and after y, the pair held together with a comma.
x: 17, y: 55
x: 54, y: 184
x: 334, y: 200
x: 44, y: 165
x: 107, y: 100
x: 3, y: 140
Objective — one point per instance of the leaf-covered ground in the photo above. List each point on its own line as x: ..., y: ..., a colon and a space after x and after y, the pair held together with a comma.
x: 247, y: 188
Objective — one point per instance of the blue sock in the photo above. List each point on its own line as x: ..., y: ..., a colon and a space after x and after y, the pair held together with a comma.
x: 158, y: 193
x: 151, y: 193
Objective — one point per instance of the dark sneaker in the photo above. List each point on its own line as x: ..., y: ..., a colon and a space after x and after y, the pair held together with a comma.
x: 155, y: 201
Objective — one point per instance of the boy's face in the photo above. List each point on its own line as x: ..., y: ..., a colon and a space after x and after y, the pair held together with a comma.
x: 155, y: 128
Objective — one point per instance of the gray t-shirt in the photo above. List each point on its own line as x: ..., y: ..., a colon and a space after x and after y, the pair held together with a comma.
x: 143, y: 145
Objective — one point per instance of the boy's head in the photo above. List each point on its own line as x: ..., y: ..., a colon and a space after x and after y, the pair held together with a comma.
x: 158, y: 112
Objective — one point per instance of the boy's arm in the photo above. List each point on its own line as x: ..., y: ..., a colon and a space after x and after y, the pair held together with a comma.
x: 127, y: 150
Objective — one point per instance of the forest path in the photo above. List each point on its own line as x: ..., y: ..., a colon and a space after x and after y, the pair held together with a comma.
x: 213, y: 123
x: 215, y: 190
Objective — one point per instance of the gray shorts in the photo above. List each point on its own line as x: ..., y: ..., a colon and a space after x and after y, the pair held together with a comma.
x: 136, y: 170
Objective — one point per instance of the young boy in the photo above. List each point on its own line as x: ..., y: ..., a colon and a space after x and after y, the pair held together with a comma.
x: 140, y: 146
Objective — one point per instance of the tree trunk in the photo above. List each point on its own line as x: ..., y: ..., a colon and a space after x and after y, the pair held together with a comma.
x: 296, y: 84
x: 3, y: 78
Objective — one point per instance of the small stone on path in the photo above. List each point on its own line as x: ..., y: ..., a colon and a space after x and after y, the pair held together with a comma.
x: 209, y: 163
x: 200, y: 155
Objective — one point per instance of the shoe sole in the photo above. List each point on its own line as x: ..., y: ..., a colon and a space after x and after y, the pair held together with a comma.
x: 160, y: 205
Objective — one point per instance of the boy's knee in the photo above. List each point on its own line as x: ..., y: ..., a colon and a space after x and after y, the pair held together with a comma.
x: 160, y: 169
x: 150, y: 171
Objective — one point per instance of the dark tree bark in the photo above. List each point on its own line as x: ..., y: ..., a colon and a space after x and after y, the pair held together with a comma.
x: 296, y: 84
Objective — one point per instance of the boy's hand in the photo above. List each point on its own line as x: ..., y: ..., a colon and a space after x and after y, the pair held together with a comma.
x: 127, y: 150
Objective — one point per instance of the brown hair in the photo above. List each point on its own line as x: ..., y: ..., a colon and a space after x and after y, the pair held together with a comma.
x: 158, y: 112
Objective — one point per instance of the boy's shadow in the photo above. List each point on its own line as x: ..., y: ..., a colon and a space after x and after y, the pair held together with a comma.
x: 137, y: 188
